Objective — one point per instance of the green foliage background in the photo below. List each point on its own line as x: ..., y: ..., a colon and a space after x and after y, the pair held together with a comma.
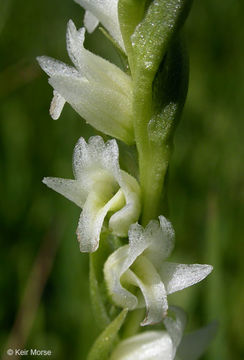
x: 205, y: 182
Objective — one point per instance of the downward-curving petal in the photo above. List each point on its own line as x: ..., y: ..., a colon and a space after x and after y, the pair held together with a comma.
x: 57, y: 105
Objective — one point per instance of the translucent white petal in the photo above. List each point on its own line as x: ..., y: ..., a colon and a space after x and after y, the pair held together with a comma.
x: 195, y: 344
x: 152, y: 288
x: 57, y: 105
x: 150, y: 345
x: 94, y: 156
x: 107, y: 13
x: 175, y: 327
x: 179, y: 276
x: 92, y: 217
x: 71, y: 189
x: 161, y: 237
x: 102, y: 107
x: 90, y: 21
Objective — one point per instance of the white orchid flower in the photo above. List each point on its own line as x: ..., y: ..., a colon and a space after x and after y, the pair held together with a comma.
x: 100, y: 187
x: 99, y: 91
x: 105, y: 12
x: 166, y: 345
x: 141, y: 264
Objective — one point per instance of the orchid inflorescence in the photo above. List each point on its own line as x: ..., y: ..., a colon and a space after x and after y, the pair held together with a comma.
x: 121, y: 222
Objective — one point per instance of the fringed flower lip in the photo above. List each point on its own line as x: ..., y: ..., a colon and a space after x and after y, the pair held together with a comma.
x: 105, y: 12
x: 167, y: 345
x: 98, y: 90
x: 100, y: 187
x: 141, y: 264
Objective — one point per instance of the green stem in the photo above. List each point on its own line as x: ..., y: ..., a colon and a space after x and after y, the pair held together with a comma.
x: 153, y: 168
x: 153, y: 157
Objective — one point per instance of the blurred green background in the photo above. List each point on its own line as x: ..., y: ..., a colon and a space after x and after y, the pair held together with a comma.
x: 40, y: 258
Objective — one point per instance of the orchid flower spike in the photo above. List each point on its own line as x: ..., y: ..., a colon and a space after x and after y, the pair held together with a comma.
x: 99, y: 91
x: 105, y: 12
x: 141, y: 264
x: 100, y: 186
x: 168, y: 344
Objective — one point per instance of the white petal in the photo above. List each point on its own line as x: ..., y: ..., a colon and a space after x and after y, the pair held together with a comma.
x: 179, y: 276
x: 114, y: 268
x: 92, y: 217
x: 96, y: 156
x: 90, y: 21
x: 150, y: 345
x: 194, y: 344
x: 161, y: 237
x: 175, y: 327
x: 120, y: 221
x: 107, y: 13
x: 71, y: 189
x: 102, y: 107
x: 57, y: 105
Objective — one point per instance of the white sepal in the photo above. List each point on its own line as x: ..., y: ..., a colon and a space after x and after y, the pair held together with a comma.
x: 179, y: 276
x: 193, y: 345
x: 106, y: 12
